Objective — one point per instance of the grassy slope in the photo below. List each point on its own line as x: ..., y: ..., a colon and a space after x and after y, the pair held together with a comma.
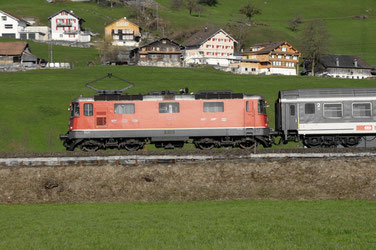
x: 34, y: 103
x: 194, y: 225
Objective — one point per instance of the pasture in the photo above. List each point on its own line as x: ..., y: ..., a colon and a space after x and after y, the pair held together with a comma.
x: 191, y: 225
x: 35, y: 103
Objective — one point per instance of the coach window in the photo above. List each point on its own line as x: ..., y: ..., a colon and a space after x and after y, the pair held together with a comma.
x: 292, y: 110
x: 88, y: 109
x: 333, y: 110
x: 75, y: 109
x: 214, y: 107
x: 362, y: 109
x: 124, y: 108
x: 309, y: 108
x: 169, y: 107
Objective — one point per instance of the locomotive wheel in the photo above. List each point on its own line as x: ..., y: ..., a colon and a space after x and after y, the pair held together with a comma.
x: 249, y: 144
x: 89, y: 146
x: 131, y: 145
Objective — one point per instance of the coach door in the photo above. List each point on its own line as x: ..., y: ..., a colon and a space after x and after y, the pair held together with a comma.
x: 292, y: 116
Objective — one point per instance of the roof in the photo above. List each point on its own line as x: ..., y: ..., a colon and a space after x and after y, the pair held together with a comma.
x: 202, y: 36
x: 327, y: 93
x: 122, y: 19
x: 12, y: 48
x: 161, y: 40
x: 69, y: 12
x: 15, y: 17
x: 344, y: 61
x: 267, y: 47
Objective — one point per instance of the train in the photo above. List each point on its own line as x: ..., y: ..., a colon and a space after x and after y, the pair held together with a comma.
x: 213, y: 119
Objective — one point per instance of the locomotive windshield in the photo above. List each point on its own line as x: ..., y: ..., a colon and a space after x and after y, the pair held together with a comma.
x: 75, y: 109
x: 261, y: 107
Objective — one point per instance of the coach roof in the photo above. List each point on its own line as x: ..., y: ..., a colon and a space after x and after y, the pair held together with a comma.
x: 327, y: 93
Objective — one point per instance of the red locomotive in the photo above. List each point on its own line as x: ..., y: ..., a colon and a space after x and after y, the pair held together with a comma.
x: 167, y: 119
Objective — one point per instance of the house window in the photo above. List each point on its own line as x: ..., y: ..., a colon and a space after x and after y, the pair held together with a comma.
x: 124, y: 108
x: 253, y: 69
x: 23, y: 36
x: 213, y: 107
x: 8, y: 26
x: 272, y: 56
x: 284, y: 49
x: 333, y: 110
x: 4, y: 18
x: 169, y: 107
x: 309, y: 108
x: 288, y: 57
x: 295, y: 58
x: 362, y: 109
x: 88, y: 109
x: 32, y: 36
x: 280, y: 56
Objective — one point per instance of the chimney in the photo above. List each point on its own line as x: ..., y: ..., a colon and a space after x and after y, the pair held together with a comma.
x: 355, y: 63
x: 337, y: 62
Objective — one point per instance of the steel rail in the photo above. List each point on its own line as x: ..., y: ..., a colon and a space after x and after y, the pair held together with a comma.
x: 158, y: 159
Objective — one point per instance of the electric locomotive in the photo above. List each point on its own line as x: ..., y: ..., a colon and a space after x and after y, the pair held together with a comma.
x: 167, y: 119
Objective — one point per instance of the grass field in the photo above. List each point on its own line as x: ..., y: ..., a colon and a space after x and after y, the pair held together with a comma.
x: 191, y: 225
x: 35, y: 103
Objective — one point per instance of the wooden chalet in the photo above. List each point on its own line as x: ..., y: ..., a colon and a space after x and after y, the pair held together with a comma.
x: 279, y: 58
x: 161, y: 53
x: 123, y: 32
x: 18, y: 56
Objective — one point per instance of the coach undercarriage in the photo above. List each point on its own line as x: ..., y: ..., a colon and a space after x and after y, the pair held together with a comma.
x: 331, y: 141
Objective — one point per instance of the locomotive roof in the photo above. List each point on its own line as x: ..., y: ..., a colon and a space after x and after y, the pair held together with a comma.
x: 166, y: 95
x: 327, y: 93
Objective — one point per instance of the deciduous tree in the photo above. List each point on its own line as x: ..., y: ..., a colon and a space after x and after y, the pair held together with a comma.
x: 250, y: 10
x: 314, y: 41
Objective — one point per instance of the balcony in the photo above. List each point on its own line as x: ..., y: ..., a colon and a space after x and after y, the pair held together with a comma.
x: 63, y: 25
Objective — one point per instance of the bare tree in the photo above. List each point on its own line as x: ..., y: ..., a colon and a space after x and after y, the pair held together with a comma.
x: 314, y: 41
x: 250, y: 10
x: 294, y: 23
x: 191, y: 5
x: 176, y: 4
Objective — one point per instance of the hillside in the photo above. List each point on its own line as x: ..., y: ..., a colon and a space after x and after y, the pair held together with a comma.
x: 349, y: 35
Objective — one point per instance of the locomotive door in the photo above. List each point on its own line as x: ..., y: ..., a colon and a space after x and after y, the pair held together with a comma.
x: 292, y: 116
x: 249, y: 117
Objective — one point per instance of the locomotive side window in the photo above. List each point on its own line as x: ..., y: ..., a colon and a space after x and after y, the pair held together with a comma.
x: 362, y: 109
x: 88, y: 109
x: 214, y: 107
x: 261, y: 107
x: 124, y: 108
x: 247, y: 106
x: 169, y: 107
x: 75, y: 109
x: 333, y: 110
x: 292, y: 110
x: 309, y: 108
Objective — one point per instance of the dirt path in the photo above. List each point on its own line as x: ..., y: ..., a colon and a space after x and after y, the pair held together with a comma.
x: 352, y: 178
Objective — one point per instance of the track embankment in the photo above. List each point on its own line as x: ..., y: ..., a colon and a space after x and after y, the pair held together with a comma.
x: 276, y: 179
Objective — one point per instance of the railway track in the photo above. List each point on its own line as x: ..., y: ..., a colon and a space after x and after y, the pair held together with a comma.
x: 159, y: 157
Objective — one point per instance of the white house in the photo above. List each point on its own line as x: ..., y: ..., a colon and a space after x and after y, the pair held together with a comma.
x: 210, y: 46
x: 66, y: 26
x: 10, y: 25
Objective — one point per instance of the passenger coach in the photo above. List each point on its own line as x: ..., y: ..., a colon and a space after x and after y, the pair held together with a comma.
x: 326, y: 117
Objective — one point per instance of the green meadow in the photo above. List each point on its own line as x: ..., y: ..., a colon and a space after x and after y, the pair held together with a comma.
x: 191, y: 225
x: 35, y: 103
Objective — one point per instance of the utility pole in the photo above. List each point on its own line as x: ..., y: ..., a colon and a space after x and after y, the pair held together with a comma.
x: 157, y: 16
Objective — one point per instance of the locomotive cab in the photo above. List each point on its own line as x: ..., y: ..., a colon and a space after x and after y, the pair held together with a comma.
x: 74, y: 114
